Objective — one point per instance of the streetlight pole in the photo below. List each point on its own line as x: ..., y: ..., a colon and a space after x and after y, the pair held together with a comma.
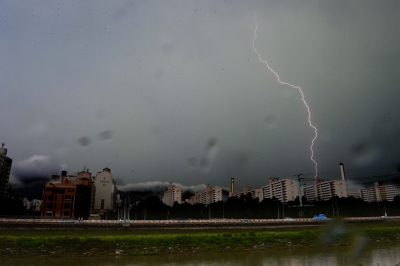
x: 337, y: 209
x: 384, y: 206
x: 333, y: 210
x: 145, y: 207
x: 299, y: 190
x: 223, y: 210
x: 277, y: 204
x: 129, y: 208
x: 209, y: 211
x: 136, y: 210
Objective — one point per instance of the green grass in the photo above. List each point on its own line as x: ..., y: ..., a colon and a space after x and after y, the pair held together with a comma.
x: 30, y: 241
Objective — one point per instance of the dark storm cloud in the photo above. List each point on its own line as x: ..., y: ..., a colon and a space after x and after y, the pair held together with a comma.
x: 159, y: 187
x: 36, y: 168
x: 174, y: 91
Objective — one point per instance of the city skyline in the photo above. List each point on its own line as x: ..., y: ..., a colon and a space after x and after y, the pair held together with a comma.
x: 174, y: 92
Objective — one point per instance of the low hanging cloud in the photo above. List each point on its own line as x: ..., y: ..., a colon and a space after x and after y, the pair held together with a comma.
x: 159, y: 187
x: 35, y: 168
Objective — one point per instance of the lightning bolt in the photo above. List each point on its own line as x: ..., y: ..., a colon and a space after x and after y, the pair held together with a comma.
x: 293, y: 86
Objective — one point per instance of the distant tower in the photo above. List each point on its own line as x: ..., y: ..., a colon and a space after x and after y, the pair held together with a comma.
x: 232, y: 185
x: 342, y: 171
x: 343, y: 176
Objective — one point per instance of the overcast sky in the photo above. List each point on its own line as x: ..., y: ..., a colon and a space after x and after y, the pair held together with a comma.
x: 173, y: 91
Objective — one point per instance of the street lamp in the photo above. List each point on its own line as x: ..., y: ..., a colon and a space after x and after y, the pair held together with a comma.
x: 337, y: 209
x: 119, y: 209
x: 209, y: 211
x: 384, y: 206
x: 145, y: 207
x: 298, y: 186
x: 277, y: 204
x: 136, y: 210
x: 106, y: 213
x: 223, y: 210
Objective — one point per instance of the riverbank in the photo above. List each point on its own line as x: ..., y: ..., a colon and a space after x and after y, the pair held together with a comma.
x: 31, y: 241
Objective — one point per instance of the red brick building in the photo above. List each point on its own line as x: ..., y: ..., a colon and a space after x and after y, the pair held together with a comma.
x: 67, y: 196
x: 58, y: 200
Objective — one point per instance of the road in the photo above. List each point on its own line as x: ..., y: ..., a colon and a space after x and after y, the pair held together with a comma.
x: 188, y: 223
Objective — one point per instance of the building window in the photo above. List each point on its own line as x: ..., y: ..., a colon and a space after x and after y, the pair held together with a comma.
x: 67, y: 197
x: 66, y: 213
x: 70, y: 190
x: 59, y: 191
x: 67, y: 205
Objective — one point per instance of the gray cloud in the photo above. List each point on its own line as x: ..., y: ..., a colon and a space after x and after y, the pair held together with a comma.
x: 159, y: 187
x: 37, y: 167
x: 142, y: 87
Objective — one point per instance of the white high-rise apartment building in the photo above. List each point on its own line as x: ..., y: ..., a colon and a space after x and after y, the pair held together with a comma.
x: 245, y: 191
x: 216, y: 194
x: 210, y: 195
x: 379, y: 192
x: 283, y: 189
x: 105, y: 192
x: 325, y: 190
x: 172, y: 195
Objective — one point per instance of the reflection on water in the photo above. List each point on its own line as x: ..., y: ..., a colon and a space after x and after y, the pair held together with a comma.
x: 332, y: 256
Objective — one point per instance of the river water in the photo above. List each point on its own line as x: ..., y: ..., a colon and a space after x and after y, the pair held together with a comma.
x: 381, y: 255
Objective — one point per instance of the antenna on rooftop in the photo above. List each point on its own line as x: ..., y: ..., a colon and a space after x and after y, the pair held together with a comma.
x: 2, y: 144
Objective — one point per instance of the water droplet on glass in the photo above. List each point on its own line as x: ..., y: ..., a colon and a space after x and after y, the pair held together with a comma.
x: 204, y: 163
x: 192, y: 162
x: 105, y: 135
x: 365, y: 152
x: 83, y: 141
x: 332, y: 231
x: 387, y: 132
x: 159, y: 73
x: 270, y: 120
x: 168, y: 46
x: 358, y: 247
x: 211, y: 142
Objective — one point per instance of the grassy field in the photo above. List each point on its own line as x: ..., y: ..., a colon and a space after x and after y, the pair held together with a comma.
x: 97, y: 241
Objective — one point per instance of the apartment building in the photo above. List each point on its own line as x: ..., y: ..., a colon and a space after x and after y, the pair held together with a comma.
x: 66, y: 195
x: 104, y: 196
x: 238, y: 194
x: 5, y: 169
x: 172, y: 195
x: 210, y: 195
x: 58, y: 201
x: 283, y: 189
x: 379, y: 192
x: 216, y: 194
x: 325, y: 190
